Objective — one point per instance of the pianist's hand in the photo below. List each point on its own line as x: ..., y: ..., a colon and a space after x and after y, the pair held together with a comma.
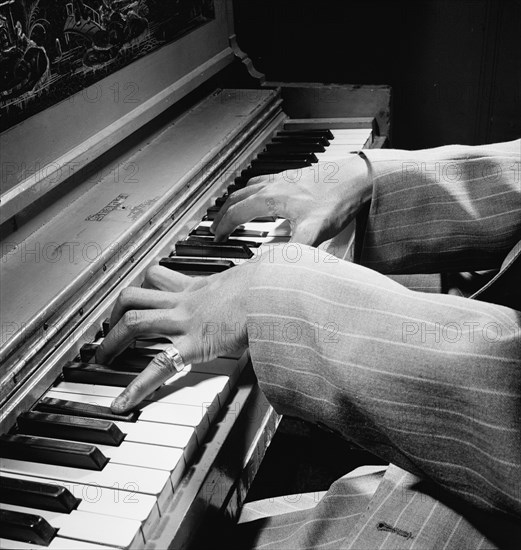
x: 319, y: 201
x: 202, y: 316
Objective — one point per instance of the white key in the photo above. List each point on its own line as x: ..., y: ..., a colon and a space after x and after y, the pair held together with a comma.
x: 349, y: 132
x: 57, y: 543
x: 151, y: 411
x: 262, y: 240
x: 157, y: 457
x: 201, y: 391
x: 224, y: 366
x: 339, y: 151
x: 152, y: 345
x: 146, y: 456
x: 177, y: 435
x: 141, y: 480
x: 155, y: 433
x: 272, y: 245
x: 349, y: 136
x: 195, y: 388
x: 348, y: 142
x: 110, y: 502
x: 88, y: 527
x: 278, y: 228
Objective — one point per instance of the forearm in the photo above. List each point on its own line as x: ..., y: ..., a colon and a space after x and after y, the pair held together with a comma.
x: 412, y: 378
x: 450, y: 208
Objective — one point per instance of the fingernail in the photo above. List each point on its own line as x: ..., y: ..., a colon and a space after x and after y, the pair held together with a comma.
x: 119, y: 405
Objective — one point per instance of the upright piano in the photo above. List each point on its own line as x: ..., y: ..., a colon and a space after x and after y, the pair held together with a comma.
x: 93, y: 194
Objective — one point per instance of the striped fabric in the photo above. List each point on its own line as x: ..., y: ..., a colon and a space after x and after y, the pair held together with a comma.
x: 429, y: 382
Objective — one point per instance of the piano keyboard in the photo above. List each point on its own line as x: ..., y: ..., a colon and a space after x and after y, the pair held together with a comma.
x: 288, y: 150
x: 76, y: 476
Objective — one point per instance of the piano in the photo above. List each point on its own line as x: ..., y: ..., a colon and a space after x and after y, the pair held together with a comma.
x: 93, y: 195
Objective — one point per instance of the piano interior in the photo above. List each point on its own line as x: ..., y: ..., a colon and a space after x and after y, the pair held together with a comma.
x: 95, y: 194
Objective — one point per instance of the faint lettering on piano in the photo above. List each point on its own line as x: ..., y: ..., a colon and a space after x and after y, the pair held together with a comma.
x: 136, y: 211
x: 114, y: 204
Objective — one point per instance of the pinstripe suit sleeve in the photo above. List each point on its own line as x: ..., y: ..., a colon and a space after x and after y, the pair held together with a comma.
x: 431, y: 383
x: 449, y: 208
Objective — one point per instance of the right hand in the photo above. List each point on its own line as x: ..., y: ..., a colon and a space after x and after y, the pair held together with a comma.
x: 203, y: 317
x: 319, y: 201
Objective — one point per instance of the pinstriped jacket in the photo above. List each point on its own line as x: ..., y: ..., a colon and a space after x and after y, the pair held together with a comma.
x: 451, y: 209
x: 432, y: 383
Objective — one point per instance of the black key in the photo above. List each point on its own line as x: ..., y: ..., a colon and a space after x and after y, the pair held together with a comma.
x: 204, y: 231
x: 240, y: 182
x: 134, y: 365
x: 134, y: 359
x: 290, y: 147
x: 203, y: 239
x: 25, y: 528
x: 105, y: 327
x: 61, y: 406
x: 193, y: 265
x: 221, y: 200
x: 286, y: 138
x: 255, y: 171
x: 265, y: 219
x: 212, y: 250
x: 88, y: 351
x: 90, y: 373
x: 136, y: 352
x: 201, y: 231
x: 249, y: 233
x: 234, y: 187
x: 321, y: 133
x: 51, y: 451
x: 212, y: 212
x: 272, y: 166
x: 308, y: 158
x: 73, y: 428
x: 265, y: 170
x: 34, y: 494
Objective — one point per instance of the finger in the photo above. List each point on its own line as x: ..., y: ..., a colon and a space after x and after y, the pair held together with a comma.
x: 138, y: 324
x: 161, y: 278
x: 157, y: 372
x: 235, y: 198
x: 242, y: 212
x: 264, y: 179
x: 136, y: 298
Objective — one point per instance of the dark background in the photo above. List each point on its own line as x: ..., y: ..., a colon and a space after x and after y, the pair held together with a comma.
x: 454, y: 65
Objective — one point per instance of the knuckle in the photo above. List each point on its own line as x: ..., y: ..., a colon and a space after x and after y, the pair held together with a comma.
x: 234, y: 198
x: 131, y: 319
x: 265, y: 193
x: 161, y: 365
x: 126, y: 296
x: 153, y: 273
x: 232, y: 213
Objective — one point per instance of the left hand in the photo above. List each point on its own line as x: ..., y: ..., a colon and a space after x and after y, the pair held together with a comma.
x: 202, y: 316
x: 318, y: 204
